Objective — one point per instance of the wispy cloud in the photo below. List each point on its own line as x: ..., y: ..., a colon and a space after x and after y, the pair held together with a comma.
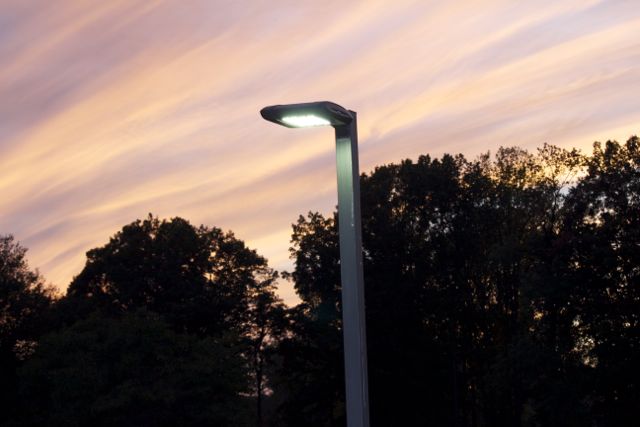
x: 111, y: 110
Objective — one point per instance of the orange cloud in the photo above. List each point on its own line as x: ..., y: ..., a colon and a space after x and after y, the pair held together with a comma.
x: 109, y: 111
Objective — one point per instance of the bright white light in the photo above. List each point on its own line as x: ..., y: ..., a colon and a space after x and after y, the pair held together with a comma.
x: 305, y: 121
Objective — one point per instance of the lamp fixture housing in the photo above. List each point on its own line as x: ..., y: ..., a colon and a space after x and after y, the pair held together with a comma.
x: 308, y: 114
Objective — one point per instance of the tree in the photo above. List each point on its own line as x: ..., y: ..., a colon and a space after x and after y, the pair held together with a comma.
x: 201, y: 280
x: 603, y: 233
x: 310, y: 377
x: 467, y: 291
x: 24, y: 300
x: 132, y: 370
x: 266, y: 326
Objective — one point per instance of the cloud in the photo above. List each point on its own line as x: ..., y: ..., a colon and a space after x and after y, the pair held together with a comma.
x: 112, y: 110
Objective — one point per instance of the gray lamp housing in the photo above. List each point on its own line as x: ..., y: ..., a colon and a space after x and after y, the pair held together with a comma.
x: 333, y: 114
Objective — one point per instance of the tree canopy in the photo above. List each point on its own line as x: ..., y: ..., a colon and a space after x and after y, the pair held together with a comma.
x: 501, y: 291
x: 130, y: 371
x: 24, y: 306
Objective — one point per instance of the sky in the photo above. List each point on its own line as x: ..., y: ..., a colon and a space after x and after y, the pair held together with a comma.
x: 110, y: 110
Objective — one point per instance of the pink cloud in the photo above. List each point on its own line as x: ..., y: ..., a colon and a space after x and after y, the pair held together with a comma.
x: 112, y: 110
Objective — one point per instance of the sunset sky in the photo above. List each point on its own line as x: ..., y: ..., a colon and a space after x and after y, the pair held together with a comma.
x: 113, y: 109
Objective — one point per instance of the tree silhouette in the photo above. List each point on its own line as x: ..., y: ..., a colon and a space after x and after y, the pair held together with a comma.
x: 490, y: 301
x: 24, y: 303
x: 130, y: 371
x: 603, y: 225
x: 201, y: 280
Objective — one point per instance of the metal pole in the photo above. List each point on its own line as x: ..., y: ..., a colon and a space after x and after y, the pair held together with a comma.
x: 353, y: 319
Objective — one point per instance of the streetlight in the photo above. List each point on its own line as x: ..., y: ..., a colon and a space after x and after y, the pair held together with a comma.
x: 326, y: 113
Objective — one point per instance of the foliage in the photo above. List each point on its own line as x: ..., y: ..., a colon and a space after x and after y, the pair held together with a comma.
x: 24, y: 304
x: 200, y: 279
x: 500, y: 291
x: 131, y: 371
x: 604, y: 223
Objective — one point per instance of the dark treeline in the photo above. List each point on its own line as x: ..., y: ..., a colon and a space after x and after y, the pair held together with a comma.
x: 501, y: 291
